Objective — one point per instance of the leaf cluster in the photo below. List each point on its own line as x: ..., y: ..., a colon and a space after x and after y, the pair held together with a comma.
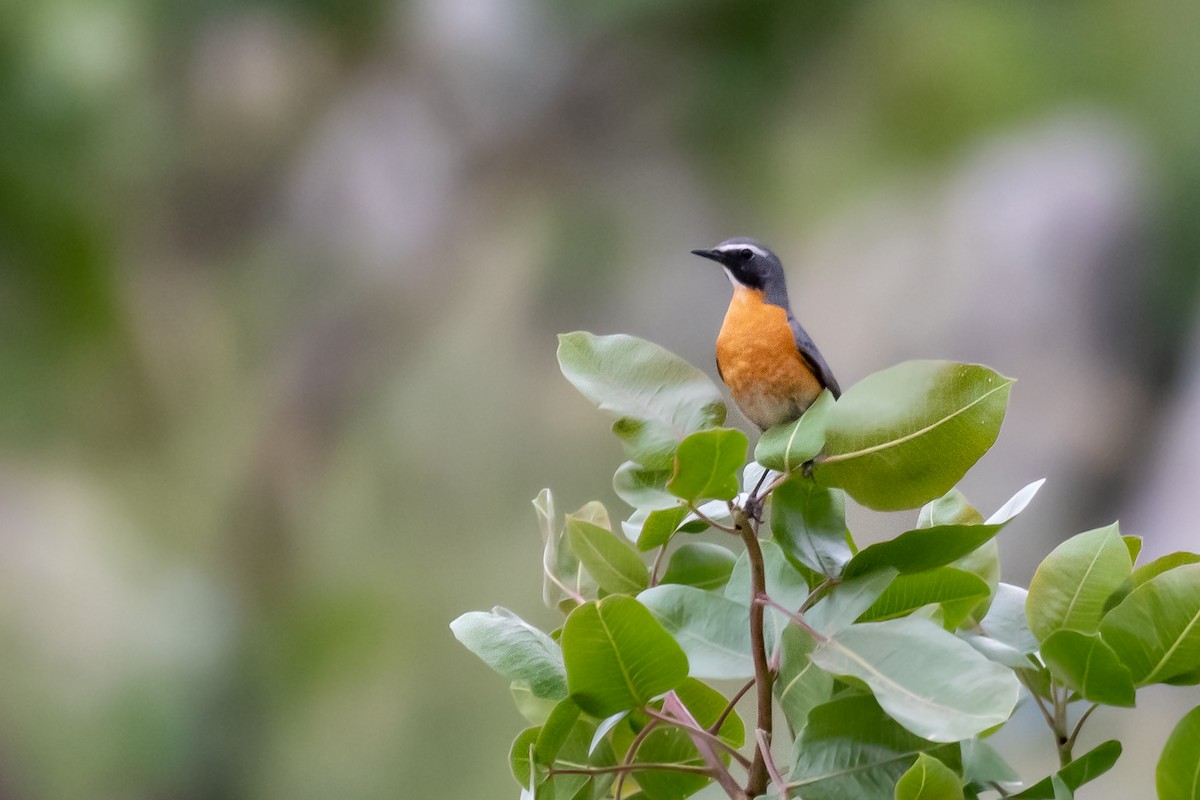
x: 889, y: 665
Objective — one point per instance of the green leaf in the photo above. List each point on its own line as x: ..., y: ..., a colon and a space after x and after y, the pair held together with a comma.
x: 515, y: 649
x: 801, y: 685
x: 921, y: 549
x: 983, y: 766
x: 929, y: 779
x: 847, y: 601
x: 1086, y: 768
x: 1134, y: 545
x: 700, y: 564
x: 1085, y: 664
x: 850, y: 750
x: 945, y: 586
x: 809, y: 523
x: 658, y: 526
x: 658, y: 397
x: 618, y: 656
x: 1177, y: 776
x: 904, y: 436
x: 1155, y: 631
x: 951, y: 508
x: 785, y: 586
x: 555, y: 731
x: 713, y: 630
x: 520, y: 755
x: 642, y: 487
x: 1072, y: 584
x: 788, y: 447
x: 707, y: 464
x: 932, y: 683
x: 608, y: 558
x: 1003, y: 633
x: 1161, y: 565
x: 563, y: 581
x: 669, y: 745
x: 536, y: 710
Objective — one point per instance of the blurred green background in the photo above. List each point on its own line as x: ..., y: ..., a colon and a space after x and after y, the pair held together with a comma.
x: 279, y: 284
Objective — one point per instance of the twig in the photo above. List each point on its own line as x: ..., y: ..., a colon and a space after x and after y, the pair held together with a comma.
x: 634, y: 746
x: 772, y: 769
x: 672, y: 705
x: 764, y: 600
x: 1079, y: 727
x: 733, y: 701
x: 711, y: 522
x: 627, y: 768
x: 662, y: 551
x: 697, y: 730
x: 1037, y: 699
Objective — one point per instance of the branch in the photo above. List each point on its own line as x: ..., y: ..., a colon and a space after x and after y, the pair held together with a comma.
x: 776, y: 775
x: 672, y: 705
x: 712, y: 523
x: 758, y: 778
x: 627, y: 768
x: 1070, y: 745
x: 733, y: 701
x: 696, y: 730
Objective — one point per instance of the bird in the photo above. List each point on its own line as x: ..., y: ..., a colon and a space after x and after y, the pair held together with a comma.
x: 769, y: 362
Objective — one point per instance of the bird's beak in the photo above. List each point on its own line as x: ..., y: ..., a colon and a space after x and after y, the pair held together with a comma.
x: 714, y: 255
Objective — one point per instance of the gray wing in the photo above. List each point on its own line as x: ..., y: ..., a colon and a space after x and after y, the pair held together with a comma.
x: 812, y: 355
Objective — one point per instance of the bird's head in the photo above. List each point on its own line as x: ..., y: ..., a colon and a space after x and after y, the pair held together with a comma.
x: 747, y: 263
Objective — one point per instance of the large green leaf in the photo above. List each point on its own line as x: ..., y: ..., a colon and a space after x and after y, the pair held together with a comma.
x: 951, y: 588
x: 1155, y: 631
x: 658, y: 398
x: 609, y: 559
x: 851, y: 750
x: 1073, y: 583
x: 670, y: 745
x: 713, y: 630
x: 931, y: 682
x: 1086, y: 768
x: 786, y: 448
x: 618, y: 656
x: 700, y: 564
x: 707, y: 464
x: 1085, y: 664
x: 809, y: 523
x: 515, y: 649
x: 1177, y: 776
x: 904, y: 436
x: 801, y: 685
x: 929, y: 779
x: 921, y: 549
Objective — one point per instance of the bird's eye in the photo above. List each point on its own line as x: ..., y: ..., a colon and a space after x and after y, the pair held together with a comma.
x: 746, y: 254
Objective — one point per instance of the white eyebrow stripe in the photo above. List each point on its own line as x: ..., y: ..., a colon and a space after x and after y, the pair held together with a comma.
x: 758, y: 251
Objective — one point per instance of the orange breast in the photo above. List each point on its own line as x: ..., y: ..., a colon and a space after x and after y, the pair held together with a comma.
x: 758, y: 359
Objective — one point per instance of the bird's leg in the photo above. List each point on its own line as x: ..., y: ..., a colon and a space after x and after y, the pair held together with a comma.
x: 754, y: 503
